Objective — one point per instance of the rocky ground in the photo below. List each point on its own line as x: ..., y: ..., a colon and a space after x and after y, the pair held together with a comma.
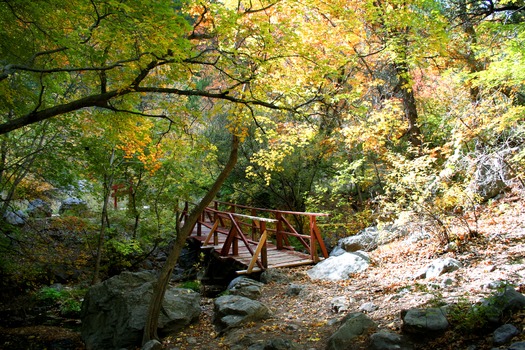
x: 307, y: 317
x: 496, y: 254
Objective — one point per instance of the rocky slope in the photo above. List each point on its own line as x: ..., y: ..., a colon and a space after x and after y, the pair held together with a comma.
x: 305, y: 312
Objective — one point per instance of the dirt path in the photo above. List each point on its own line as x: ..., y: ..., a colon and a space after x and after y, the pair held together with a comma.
x: 307, y: 319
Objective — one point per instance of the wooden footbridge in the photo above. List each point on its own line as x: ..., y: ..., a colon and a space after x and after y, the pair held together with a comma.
x: 260, y: 238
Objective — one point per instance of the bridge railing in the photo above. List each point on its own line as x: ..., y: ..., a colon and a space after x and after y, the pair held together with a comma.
x: 237, y: 235
x: 280, y: 226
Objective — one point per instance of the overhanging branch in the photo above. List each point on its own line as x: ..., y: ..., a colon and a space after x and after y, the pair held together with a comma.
x: 102, y: 100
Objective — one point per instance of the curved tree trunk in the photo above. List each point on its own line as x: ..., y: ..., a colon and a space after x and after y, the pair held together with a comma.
x: 413, y: 132
x: 104, y: 219
x: 159, y: 288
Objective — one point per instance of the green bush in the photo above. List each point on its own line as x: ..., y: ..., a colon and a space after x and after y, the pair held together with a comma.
x: 193, y: 285
x: 67, y: 300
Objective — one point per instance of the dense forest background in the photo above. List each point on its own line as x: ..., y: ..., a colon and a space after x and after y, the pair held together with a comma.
x: 366, y: 110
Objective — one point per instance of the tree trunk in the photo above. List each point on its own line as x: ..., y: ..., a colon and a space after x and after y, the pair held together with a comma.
x: 413, y: 132
x: 108, y: 182
x: 473, y: 63
x: 159, y: 288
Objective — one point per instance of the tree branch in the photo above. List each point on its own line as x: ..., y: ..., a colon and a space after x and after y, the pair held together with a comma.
x: 102, y: 100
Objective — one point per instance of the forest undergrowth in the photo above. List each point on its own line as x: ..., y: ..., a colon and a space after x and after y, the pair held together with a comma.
x: 308, y: 320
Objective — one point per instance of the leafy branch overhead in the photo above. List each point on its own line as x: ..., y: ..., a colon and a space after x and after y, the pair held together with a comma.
x: 104, y: 52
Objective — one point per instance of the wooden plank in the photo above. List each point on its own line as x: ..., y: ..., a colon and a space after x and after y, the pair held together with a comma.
x: 212, y: 231
x: 254, y: 218
x: 275, y: 258
x: 258, y: 250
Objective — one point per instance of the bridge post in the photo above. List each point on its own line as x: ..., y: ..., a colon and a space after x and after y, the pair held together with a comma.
x: 313, y: 240
x: 264, y: 249
x: 253, y: 212
x: 279, y: 231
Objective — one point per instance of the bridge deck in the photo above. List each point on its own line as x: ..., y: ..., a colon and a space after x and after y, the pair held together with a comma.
x: 259, y: 238
x: 276, y: 258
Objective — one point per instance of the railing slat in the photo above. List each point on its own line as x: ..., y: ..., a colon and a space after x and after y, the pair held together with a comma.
x: 235, y: 218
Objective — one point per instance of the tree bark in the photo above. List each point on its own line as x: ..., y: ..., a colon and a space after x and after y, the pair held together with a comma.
x: 159, y: 288
x: 413, y: 132
x: 108, y: 182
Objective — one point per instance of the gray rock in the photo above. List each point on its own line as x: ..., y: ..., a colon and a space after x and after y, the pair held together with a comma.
x: 273, y: 344
x: 234, y: 310
x: 246, y: 287
x: 385, y: 340
x: 424, y: 321
x: 517, y: 346
x: 438, y: 267
x: 114, y: 311
x: 274, y: 275
x: 294, y: 289
x: 73, y: 206
x: 337, y: 251
x: 16, y: 218
x: 491, y: 174
x: 152, y: 345
x: 368, y: 307
x: 504, y: 334
x: 38, y: 208
x: 239, y: 339
x: 365, y: 240
x: 418, y: 236
x: 353, y: 325
x: 340, y: 267
x: 339, y: 304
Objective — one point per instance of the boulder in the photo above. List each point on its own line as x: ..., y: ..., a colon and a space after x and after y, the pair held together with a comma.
x: 231, y: 311
x: 38, y: 208
x: 274, y: 275
x: 438, y: 267
x: 365, y: 240
x: 114, y: 311
x: 340, y: 267
x: 245, y: 287
x: 517, y: 346
x: 73, y: 206
x: 504, y: 334
x: 352, y: 326
x: 294, y: 289
x: 15, y: 218
x: 385, y: 340
x: 491, y: 174
x: 424, y: 322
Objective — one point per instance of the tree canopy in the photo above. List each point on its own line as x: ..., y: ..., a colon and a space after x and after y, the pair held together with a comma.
x: 363, y: 109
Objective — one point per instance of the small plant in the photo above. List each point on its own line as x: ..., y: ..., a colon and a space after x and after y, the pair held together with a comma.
x: 49, y: 295
x: 193, y: 285
x: 468, y: 318
x: 437, y: 299
x: 419, y: 287
x: 70, y: 308
x: 68, y: 301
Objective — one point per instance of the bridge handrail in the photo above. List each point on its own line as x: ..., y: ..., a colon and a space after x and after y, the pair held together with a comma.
x: 314, y: 234
x: 272, y: 210
x: 282, y: 225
